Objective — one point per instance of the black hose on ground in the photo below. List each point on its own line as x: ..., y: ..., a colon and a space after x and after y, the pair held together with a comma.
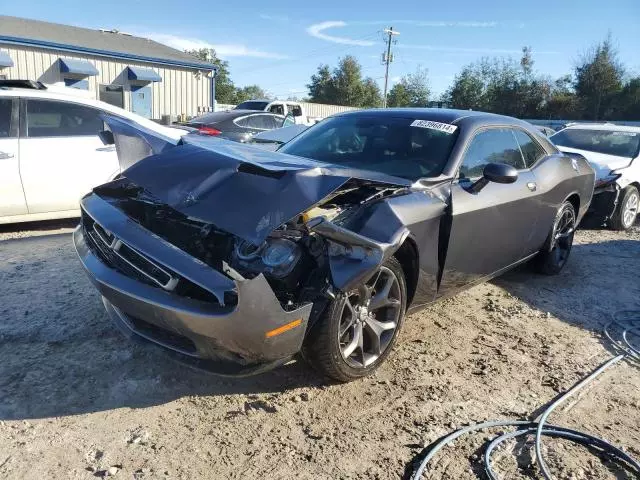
x: 624, y: 323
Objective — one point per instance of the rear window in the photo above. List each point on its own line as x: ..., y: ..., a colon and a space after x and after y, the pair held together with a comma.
x: 610, y: 142
x: 402, y: 147
x: 252, y: 105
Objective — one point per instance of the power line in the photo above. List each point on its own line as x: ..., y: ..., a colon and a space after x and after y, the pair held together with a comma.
x: 387, y: 58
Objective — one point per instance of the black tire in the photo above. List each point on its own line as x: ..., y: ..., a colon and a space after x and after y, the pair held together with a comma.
x: 555, y: 253
x: 324, y: 348
x: 627, y: 210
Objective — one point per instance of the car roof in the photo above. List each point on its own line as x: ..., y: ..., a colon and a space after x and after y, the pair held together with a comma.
x: 603, y: 126
x: 444, y: 115
x: 69, y: 95
x: 225, y: 115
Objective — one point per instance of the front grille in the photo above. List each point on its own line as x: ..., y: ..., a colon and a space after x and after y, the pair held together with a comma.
x: 121, y: 257
x: 162, y: 335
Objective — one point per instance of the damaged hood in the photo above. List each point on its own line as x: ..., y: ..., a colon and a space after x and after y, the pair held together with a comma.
x: 243, y: 190
x: 602, y: 163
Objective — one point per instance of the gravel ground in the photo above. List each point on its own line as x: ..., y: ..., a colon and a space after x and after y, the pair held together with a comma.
x: 78, y: 401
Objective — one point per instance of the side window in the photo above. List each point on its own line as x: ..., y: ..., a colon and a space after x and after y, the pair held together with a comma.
x: 6, y: 110
x: 242, y: 122
x: 263, y: 122
x: 531, y: 150
x: 295, y: 110
x: 61, y: 119
x: 277, y: 109
x: 496, y: 145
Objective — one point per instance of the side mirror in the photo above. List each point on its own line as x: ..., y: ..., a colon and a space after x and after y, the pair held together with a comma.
x: 497, y: 173
x: 107, y: 137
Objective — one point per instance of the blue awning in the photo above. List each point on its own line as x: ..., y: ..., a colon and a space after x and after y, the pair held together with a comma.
x: 143, y: 74
x: 5, y: 60
x: 77, y: 67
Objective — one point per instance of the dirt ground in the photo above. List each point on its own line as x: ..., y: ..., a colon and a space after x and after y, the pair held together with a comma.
x: 79, y: 401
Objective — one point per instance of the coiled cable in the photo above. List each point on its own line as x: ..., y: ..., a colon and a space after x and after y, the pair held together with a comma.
x: 624, y: 324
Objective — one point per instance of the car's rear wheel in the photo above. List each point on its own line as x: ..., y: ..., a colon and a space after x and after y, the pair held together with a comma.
x: 358, y: 329
x: 555, y: 253
x: 627, y: 210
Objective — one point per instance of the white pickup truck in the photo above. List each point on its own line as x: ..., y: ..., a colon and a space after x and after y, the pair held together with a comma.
x: 279, y: 107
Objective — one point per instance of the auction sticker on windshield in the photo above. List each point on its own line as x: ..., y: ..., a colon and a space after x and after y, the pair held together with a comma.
x: 442, y: 127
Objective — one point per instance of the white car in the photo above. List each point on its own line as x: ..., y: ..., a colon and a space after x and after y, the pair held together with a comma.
x: 51, y: 153
x: 614, y: 153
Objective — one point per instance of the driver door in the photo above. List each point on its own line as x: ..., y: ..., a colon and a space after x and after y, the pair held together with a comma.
x: 489, y: 229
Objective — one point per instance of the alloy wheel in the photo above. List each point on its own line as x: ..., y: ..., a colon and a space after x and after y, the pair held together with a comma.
x: 563, y: 232
x: 630, y: 209
x: 369, y: 319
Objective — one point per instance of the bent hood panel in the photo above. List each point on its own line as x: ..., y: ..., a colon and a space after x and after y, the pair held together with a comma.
x: 134, y: 141
x: 243, y: 190
x: 602, y: 163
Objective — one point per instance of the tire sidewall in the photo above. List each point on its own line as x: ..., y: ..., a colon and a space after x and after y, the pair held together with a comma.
x: 333, y: 317
x: 628, y: 193
x: 546, y: 263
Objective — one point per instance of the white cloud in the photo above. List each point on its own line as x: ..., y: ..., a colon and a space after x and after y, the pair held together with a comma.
x: 276, y: 18
x: 317, y: 29
x: 395, y: 79
x: 223, y: 50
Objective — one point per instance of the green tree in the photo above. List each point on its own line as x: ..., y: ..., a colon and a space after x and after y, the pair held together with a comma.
x: 411, y: 91
x: 248, y: 93
x: 225, y: 89
x: 344, y: 85
x: 598, y: 78
x: 628, y: 101
x: 467, y: 91
x: 321, y: 85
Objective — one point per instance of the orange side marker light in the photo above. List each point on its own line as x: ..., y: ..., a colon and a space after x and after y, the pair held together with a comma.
x: 284, y: 328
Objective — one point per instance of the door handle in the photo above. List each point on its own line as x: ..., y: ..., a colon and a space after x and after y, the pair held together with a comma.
x: 532, y: 186
x: 110, y: 148
x: 4, y: 155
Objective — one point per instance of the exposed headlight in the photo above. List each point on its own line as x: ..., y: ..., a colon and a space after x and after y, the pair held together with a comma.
x: 276, y: 256
x: 280, y: 256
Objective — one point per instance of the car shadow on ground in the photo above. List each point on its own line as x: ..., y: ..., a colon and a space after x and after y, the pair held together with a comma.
x: 61, y: 355
x: 599, y: 281
x: 41, y: 226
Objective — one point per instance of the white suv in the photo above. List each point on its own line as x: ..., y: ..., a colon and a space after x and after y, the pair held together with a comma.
x: 614, y: 153
x: 50, y: 150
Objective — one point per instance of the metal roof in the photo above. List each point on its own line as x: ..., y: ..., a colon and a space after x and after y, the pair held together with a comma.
x: 36, y: 33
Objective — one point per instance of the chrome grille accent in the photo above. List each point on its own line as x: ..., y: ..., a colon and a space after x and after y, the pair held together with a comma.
x: 142, y: 264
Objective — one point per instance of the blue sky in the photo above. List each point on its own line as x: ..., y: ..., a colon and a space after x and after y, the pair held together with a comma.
x: 278, y: 45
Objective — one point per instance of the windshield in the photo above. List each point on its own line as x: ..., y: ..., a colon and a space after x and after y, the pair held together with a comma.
x: 618, y: 143
x: 252, y: 105
x: 388, y: 145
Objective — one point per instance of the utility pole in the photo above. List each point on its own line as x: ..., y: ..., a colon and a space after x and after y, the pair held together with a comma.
x: 387, y: 59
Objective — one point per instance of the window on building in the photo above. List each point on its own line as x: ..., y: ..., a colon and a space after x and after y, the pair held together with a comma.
x: 61, y: 119
x: 496, y: 145
x: 112, y: 94
x: 80, y: 84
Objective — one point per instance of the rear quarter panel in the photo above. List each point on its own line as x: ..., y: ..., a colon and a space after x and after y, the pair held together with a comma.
x: 559, y: 177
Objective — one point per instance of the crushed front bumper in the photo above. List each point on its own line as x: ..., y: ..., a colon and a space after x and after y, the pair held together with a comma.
x: 228, y: 339
x: 602, y: 207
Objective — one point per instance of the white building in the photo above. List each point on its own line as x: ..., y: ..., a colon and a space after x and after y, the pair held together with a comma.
x: 134, y: 73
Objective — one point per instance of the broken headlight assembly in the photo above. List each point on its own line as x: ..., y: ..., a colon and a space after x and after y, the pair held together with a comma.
x: 276, y: 256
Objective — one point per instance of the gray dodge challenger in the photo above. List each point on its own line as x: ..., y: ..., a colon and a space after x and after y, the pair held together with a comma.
x: 235, y: 259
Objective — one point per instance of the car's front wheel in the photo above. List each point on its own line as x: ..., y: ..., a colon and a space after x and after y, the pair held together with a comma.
x: 555, y: 253
x: 358, y: 329
x: 627, y: 210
